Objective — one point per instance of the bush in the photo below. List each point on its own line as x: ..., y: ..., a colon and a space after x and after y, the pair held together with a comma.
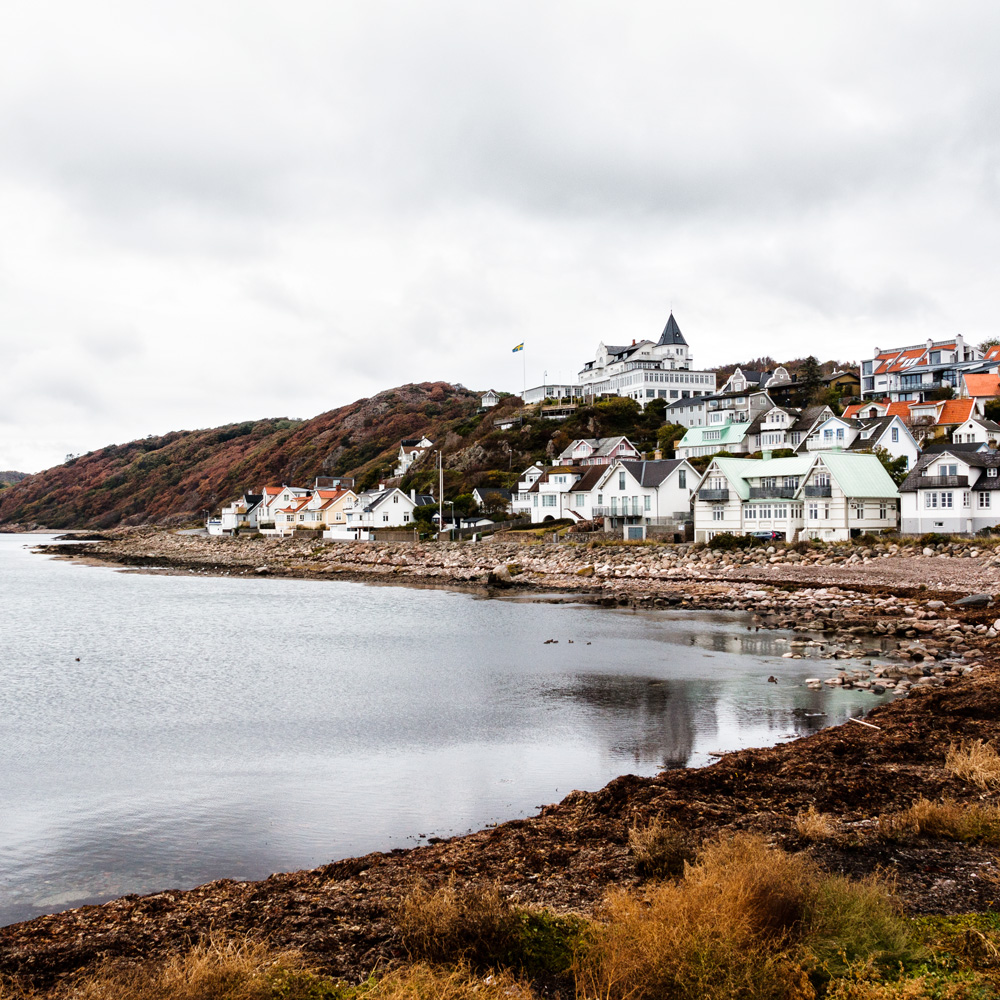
x: 934, y: 538
x: 660, y: 849
x: 479, y: 927
x: 746, y: 921
x: 726, y: 542
x: 814, y: 825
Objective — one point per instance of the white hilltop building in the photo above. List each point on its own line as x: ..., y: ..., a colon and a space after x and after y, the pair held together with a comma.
x: 643, y: 370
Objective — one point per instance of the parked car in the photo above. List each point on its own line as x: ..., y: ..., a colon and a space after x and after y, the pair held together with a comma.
x: 767, y: 536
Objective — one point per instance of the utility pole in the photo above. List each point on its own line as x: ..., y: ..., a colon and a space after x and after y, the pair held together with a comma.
x: 440, y: 492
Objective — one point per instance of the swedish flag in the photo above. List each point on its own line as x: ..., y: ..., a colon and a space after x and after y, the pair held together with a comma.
x: 520, y: 347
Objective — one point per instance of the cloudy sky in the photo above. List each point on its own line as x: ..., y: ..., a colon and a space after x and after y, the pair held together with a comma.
x: 216, y: 211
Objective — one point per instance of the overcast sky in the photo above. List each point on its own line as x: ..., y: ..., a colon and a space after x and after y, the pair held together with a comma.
x: 217, y: 211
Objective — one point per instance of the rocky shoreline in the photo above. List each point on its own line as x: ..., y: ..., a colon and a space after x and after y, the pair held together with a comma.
x: 341, y: 915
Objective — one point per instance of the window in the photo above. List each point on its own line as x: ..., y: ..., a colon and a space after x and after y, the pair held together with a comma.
x: 750, y: 513
x: 614, y: 506
x: 682, y: 479
x: 645, y: 502
x: 828, y: 434
x: 947, y: 470
x: 385, y: 517
x: 790, y: 482
x: 717, y: 513
x: 580, y: 500
x: 930, y: 499
x: 966, y: 499
x: 548, y: 499
x: 534, y: 499
x: 840, y: 433
x: 395, y: 499
x: 991, y: 472
x: 406, y: 517
x: 883, y: 511
x: 859, y: 511
x: 621, y: 480
x: 946, y: 499
x: 895, y: 435
x: 769, y: 482
x: 600, y: 499
x: 826, y: 512
x: 813, y: 511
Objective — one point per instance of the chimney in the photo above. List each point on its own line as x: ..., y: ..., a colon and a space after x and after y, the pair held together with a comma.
x: 930, y: 343
x: 959, y: 348
x: 766, y: 456
x: 413, y: 494
x: 657, y: 455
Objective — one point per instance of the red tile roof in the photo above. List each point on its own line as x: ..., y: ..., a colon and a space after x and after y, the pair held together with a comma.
x: 956, y: 411
x: 993, y: 354
x: 982, y: 385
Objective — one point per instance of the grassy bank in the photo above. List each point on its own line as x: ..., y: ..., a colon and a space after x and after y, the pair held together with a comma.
x: 742, y: 919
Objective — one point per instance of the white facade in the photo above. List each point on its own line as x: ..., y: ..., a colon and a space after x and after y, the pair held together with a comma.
x: 952, y: 493
x: 828, y: 496
x: 520, y: 503
x: 889, y: 433
x: 409, y: 451
x: 911, y: 372
x: 646, y: 370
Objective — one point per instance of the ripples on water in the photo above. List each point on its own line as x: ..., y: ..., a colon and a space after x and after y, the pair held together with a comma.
x: 162, y: 731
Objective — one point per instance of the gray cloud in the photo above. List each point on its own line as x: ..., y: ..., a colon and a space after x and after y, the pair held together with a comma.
x: 196, y: 196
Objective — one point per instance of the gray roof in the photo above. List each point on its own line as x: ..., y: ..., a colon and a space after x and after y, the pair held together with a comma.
x: 485, y: 491
x: 671, y: 334
x: 807, y: 417
x: 651, y: 473
x: 936, y: 447
x: 975, y: 459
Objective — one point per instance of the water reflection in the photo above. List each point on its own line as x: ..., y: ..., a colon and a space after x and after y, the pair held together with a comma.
x: 161, y: 731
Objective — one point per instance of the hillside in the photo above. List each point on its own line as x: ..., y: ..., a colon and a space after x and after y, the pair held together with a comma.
x: 174, y: 478
x: 9, y: 477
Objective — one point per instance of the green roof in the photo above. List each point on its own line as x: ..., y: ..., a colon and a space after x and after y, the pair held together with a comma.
x: 740, y: 470
x: 859, y: 475
x: 728, y: 434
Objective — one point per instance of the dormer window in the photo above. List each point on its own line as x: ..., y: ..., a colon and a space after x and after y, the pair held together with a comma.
x: 992, y: 472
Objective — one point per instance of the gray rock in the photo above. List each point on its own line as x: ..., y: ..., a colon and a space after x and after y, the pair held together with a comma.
x: 974, y: 601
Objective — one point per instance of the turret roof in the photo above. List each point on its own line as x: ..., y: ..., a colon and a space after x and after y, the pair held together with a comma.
x: 671, y: 333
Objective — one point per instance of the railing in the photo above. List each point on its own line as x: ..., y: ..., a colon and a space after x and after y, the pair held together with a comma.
x: 713, y: 495
x: 772, y: 492
x: 939, y: 481
x: 817, y: 491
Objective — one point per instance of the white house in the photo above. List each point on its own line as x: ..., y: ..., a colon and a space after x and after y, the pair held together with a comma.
x: 827, y: 495
x: 520, y: 503
x: 731, y: 423
x: 977, y: 430
x: 914, y: 371
x: 632, y: 492
x: 391, y: 508
x: 490, y: 398
x: 242, y: 513
x: 410, y: 449
x: 954, y: 492
x: 867, y: 434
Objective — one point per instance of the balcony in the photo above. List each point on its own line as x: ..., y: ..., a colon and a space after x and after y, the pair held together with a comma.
x: 817, y: 491
x: 709, y: 495
x: 772, y: 492
x: 936, y: 482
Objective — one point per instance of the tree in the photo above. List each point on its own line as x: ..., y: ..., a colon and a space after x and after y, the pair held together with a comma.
x: 992, y: 409
x: 494, y: 504
x: 987, y: 344
x: 896, y: 467
x: 668, y: 436
x: 810, y: 376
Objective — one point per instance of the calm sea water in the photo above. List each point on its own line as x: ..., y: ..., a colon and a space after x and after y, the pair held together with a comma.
x: 162, y: 731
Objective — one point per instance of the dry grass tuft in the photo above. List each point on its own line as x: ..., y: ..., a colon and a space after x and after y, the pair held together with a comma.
x: 747, y: 920
x: 976, y: 762
x: 660, y: 849
x: 814, y: 825
x: 448, y: 924
x: 717, y: 934
x: 423, y: 982
x: 948, y: 819
x: 218, y: 969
